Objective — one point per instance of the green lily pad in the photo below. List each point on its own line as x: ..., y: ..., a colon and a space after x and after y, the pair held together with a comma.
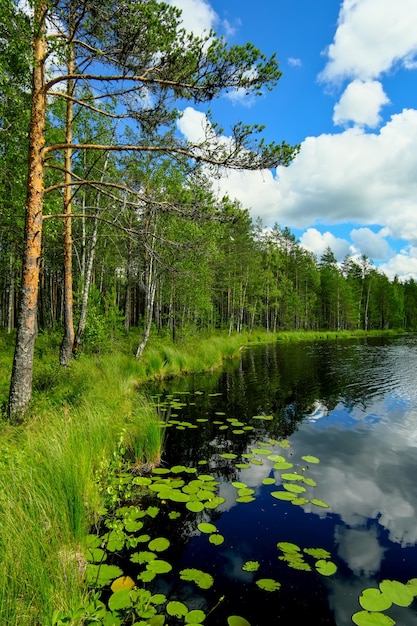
x: 201, y: 579
x: 287, y: 546
x: 236, y: 620
x: 195, y: 617
x: 251, y: 566
x: 216, y: 539
x: 293, y: 476
x: 318, y: 553
x: 268, y: 481
x: 159, y: 567
x: 325, y: 568
x: 120, y: 600
x: 294, y: 488
x: 365, y: 618
x: 283, y: 465
x: 308, y: 458
x: 159, y: 544
x: 263, y: 417
x: 261, y: 451
x: 283, y: 495
x: 142, y: 557
x: 268, y: 584
x: 206, y: 527
x: 195, y: 506
x: 102, y: 575
x: 176, y: 609
x: 398, y: 593
x: 228, y: 455
x: 373, y: 600
x: 321, y: 503
x: 245, y: 499
x: 239, y: 485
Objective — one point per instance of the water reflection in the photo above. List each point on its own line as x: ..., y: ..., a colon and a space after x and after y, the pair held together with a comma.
x: 353, y: 405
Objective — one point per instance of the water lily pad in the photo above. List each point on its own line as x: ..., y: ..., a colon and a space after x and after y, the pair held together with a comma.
x: 318, y: 553
x: 294, y: 488
x: 142, y: 557
x: 287, y: 546
x: 238, y: 431
x: 325, y: 568
x: 308, y: 458
x: 176, y: 609
x: 245, y: 499
x: 159, y: 544
x: 152, y: 511
x: 158, y: 598
x: 242, y: 465
x: 206, y: 527
x: 399, y: 593
x: 201, y: 579
x: 365, y: 618
x: 268, y: 584
x: 159, y: 567
x: 263, y: 417
x: 95, y: 555
x: 321, y: 503
x: 174, y: 514
x: 195, y: 506
x: 283, y: 495
x: 216, y: 539
x: 132, y: 526
x: 236, y: 620
x: 374, y: 600
x: 195, y: 617
x: 120, y: 600
x: 177, y: 469
x: 251, y: 566
x: 228, y: 455
x: 260, y: 451
x: 102, y: 575
x: 283, y: 465
x: 293, y: 476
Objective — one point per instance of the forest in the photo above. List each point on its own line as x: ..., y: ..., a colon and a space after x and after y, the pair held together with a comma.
x: 122, y: 226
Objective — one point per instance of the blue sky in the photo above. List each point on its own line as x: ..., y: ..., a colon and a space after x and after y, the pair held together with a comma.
x: 348, y: 96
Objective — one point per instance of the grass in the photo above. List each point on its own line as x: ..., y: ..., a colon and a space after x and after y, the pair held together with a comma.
x: 50, y: 494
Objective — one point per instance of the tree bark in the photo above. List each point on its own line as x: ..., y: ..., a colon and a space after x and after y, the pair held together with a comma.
x: 67, y: 343
x: 22, y: 371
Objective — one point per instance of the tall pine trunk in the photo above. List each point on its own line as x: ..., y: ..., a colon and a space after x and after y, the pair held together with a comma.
x: 22, y: 371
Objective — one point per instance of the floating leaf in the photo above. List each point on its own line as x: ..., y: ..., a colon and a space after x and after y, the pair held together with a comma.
x: 284, y: 443
x: 123, y: 582
x: 318, y: 553
x: 143, y: 538
x: 195, y: 617
x: 216, y: 539
x: 176, y: 609
x: 157, y: 620
x: 293, y: 476
x: 206, y: 527
x: 373, y: 600
x: 142, y: 557
x: 177, y: 496
x: 268, y: 584
x: 283, y: 495
x: 158, y: 598
x: 321, y: 503
x: 102, y: 575
x: 294, y: 488
x: 238, y: 431
x: 261, y: 451
x: 177, y: 469
x: 152, y: 511
x: 326, y: 568
x: 364, y: 618
x: 195, y: 506
x: 283, y: 465
x: 245, y: 499
x: 159, y: 567
x: 159, y: 544
x: 242, y: 465
x: 300, y: 501
x: 120, y: 600
x: 201, y: 579
x: 132, y: 526
x: 214, y: 502
x: 174, y: 514
x: 412, y: 584
x: 245, y: 491
x: 228, y: 455
x: 257, y: 462
x: 287, y: 546
x: 399, y: 593
x: 239, y: 485
x: 160, y: 470
x: 308, y: 458
x: 236, y: 620
x: 309, y: 481
x: 250, y: 566
x: 263, y: 417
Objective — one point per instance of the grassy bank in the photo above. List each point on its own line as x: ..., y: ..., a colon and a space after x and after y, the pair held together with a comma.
x: 83, y: 421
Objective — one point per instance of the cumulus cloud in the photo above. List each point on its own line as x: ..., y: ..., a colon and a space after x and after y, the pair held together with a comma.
x: 361, y: 103
x: 317, y: 242
x: 198, y: 16
x: 374, y: 245
x: 372, y: 37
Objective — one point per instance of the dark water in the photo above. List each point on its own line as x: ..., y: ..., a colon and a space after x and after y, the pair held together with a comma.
x: 352, y: 404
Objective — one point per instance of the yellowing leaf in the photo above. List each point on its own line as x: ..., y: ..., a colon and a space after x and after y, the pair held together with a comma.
x: 124, y: 582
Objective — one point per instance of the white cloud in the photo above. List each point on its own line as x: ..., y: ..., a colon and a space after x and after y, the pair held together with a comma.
x: 293, y: 62
x: 403, y: 265
x: 361, y: 103
x: 198, y: 16
x: 374, y: 245
x: 317, y: 243
x: 372, y: 36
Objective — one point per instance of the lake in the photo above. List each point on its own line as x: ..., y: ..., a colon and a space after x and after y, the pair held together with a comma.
x: 350, y: 409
